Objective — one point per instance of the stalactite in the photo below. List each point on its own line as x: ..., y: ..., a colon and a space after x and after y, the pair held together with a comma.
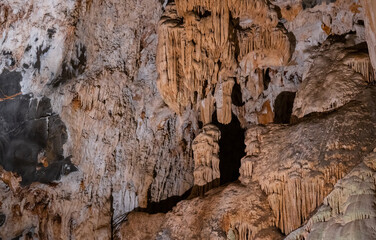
x: 271, y: 44
x: 347, y: 208
x: 362, y: 65
x: 295, y: 191
x: 223, y: 100
x: 207, y: 109
x: 197, y: 55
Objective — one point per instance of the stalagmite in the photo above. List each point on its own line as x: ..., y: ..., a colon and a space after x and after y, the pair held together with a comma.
x: 206, y: 149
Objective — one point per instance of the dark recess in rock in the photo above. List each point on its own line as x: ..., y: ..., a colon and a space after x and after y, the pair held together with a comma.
x: 29, y: 129
x: 313, y: 3
x: 266, y: 78
x: 199, y: 191
x: 165, y: 205
x: 283, y: 107
x: 231, y: 148
x: 28, y: 47
x: 40, y: 52
x: 73, y: 68
x: 17, y: 238
x: 51, y: 32
x: 2, y: 219
x: 236, y: 95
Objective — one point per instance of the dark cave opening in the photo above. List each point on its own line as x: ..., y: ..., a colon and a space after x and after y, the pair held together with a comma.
x: 236, y: 95
x: 283, y: 107
x: 231, y: 149
x: 264, y: 75
x: 267, y: 78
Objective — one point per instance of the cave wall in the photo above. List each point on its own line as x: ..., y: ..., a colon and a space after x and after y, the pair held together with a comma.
x: 94, y: 87
x: 370, y: 20
x: 110, y: 95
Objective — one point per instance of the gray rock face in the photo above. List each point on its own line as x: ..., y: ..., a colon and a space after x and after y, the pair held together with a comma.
x: 313, y: 3
x: 32, y: 136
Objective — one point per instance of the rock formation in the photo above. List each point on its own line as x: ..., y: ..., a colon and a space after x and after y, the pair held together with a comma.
x: 205, y: 149
x: 201, y: 44
x: 348, y: 211
x: 114, y: 116
x: 370, y: 20
x: 250, y: 216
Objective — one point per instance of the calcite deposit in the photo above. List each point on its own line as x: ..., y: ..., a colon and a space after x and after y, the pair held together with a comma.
x: 205, y: 150
x: 187, y: 119
x: 201, y: 44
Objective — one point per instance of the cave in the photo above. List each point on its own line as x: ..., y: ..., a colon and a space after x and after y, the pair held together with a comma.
x: 266, y: 78
x: 283, y: 107
x: 231, y: 149
x: 236, y: 95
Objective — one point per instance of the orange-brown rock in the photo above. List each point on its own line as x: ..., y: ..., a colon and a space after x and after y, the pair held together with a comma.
x: 310, y: 157
x: 149, y: 223
x: 349, y: 210
x: 266, y: 114
x: 205, y: 150
x: 197, y: 51
x: 224, y: 213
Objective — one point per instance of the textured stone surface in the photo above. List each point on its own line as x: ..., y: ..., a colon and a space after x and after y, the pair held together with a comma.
x: 201, y: 44
x: 95, y: 61
x: 332, y: 80
x: 349, y: 210
x: 310, y: 157
x: 32, y: 136
x: 101, y: 101
x: 222, y: 213
x: 370, y: 21
x: 205, y: 150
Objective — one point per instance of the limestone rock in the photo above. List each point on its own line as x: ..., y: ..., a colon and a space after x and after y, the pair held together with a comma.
x: 370, y: 20
x: 336, y: 68
x: 225, y: 211
x: 101, y: 103
x: 205, y: 149
x: 94, y: 63
x: 349, y: 210
x: 197, y: 56
x: 149, y: 223
x: 310, y: 157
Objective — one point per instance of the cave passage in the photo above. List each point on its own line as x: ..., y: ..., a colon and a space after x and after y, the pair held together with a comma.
x: 231, y: 149
x: 283, y: 107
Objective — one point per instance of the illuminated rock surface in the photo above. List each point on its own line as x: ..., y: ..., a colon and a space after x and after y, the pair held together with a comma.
x: 227, y: 119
